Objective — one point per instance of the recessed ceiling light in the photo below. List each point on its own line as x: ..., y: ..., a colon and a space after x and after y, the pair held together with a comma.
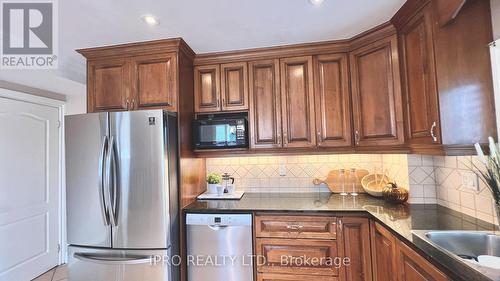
x: 316, y: 2
x: 150, y: 20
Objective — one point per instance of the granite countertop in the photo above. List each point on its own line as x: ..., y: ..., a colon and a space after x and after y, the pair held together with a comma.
x: 403, y: 220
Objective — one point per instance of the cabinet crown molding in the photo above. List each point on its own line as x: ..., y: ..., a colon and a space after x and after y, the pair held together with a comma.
x: 139, y: 48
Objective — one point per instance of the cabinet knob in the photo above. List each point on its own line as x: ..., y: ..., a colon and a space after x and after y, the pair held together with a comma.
x: 432, y: 131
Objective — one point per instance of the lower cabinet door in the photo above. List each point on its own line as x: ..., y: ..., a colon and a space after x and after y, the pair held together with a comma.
x: 414, y: 267
x: 355, y: 239
x: 293, y: 277
x: 297, y: 256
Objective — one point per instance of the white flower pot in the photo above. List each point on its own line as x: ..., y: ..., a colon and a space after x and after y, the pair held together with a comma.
x: 212, y: 188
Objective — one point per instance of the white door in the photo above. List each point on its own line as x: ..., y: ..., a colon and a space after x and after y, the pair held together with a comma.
x: 29, y: 189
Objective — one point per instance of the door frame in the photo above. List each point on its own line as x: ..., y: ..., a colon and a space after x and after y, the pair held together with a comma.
x: 60, y: 106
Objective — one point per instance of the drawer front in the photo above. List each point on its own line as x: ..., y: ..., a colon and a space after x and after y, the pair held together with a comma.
x: 293, y: 277
x: 315, y: 227
x: 297, y: 256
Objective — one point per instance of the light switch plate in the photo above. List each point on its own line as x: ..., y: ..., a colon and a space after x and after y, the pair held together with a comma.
x: 282, y: 170
x: 470, y: 181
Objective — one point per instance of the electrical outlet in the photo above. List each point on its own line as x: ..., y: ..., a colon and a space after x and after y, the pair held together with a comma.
x: 282, y: 170
x: 470, y: 181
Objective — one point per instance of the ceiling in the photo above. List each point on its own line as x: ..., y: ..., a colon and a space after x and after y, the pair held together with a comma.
x: 210, y: 25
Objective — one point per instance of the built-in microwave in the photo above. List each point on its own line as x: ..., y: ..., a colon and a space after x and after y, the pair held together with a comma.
x: 220, y: 131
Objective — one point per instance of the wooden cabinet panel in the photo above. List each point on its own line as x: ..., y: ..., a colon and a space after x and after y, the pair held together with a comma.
x: 234, y: 86
x: 108, y: 85
x: 318, y: 227
x: 376, y: 94
x: 293, y: 277
x: 207, y: 88
x: 383, y: 254
x: 413, y: 267
x: 155, y: 83
x: 419, y: 79
x: 355, y: 244
x: 332, y: 99
x: 288, y: 256
x: 265, y: 104
x: 297, y: 104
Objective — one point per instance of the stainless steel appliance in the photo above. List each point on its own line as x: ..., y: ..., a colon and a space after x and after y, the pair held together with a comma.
x: 220, y: 131
x: 122, y: 196
x: 219, y: 247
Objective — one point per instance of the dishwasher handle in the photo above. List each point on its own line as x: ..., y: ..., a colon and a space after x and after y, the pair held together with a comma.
x: 217, y: 227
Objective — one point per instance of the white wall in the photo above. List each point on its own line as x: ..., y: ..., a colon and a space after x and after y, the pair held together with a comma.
x: 495, y: 18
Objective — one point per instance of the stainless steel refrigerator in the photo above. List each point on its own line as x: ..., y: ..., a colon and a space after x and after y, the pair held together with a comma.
x: 122, y: 196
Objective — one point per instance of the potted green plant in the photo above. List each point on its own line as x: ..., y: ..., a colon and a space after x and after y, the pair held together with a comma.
x: 213, y: 180
x: 490, y: 173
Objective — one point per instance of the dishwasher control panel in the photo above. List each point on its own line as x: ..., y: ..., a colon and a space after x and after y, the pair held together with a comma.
x: 219, y: 219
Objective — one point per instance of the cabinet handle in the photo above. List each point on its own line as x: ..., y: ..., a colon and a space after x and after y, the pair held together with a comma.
x: 133, y: 103
x: 433, y: 135
x: 127, y: 103
x: 294, y: 226
x: 319, y: 138
x: 356, y: 137
x: 285, y: 139
x: 279, y: 139
x: 340, y: 225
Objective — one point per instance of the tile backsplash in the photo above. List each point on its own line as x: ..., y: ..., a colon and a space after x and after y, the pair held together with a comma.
x: 430, y: 179
x: 261, y: 174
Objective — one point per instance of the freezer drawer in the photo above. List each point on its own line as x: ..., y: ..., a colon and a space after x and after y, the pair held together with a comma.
x: 96, y: 264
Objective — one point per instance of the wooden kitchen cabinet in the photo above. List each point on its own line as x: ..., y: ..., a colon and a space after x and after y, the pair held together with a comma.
x: 155, y: 83
x: 383, y: 253
x: 293, y: 277
x: 207, y: 88
x: 376, y: 94
x: 234, y: 86
x: 108, y: 85
x: 221, y: 87
x: 332, y: 100
x: 317, y: 227
x: 289, y: 256
x: 144, y: 75
x: 419, y: 78
x: 265, y: 104
x: 355, y: 244
x: 297, y: 102
x: 414, y: 267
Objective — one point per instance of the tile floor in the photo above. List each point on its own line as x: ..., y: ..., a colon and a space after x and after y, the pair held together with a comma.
x: 59, y: 273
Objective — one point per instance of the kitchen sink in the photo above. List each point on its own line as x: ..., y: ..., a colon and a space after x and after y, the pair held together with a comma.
x: 467, y: 244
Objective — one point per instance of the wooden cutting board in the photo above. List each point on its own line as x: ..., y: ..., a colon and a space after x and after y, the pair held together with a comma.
x: 332, y: 180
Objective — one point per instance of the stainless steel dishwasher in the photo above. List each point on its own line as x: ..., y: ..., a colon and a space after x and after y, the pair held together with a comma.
x: 219, y: 247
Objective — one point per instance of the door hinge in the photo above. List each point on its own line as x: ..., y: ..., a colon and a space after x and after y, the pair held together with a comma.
x: 58, y: 124
x: 58, y: 248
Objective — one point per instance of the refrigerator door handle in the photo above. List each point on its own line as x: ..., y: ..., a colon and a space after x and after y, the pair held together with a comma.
x: 110, y: 181
x: 115, y: 182
x: 115, y: 260
x: 102, y: 184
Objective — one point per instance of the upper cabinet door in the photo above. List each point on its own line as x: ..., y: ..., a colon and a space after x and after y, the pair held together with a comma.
x: 376, y: 94
x: 419, y: 79
x: 108, y: 85
x: 265, y: 104
x: 333, y: 106
x: 234, y: 82
x: 207, y: 88
x: 155, y: 83
x: 297, y: 104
